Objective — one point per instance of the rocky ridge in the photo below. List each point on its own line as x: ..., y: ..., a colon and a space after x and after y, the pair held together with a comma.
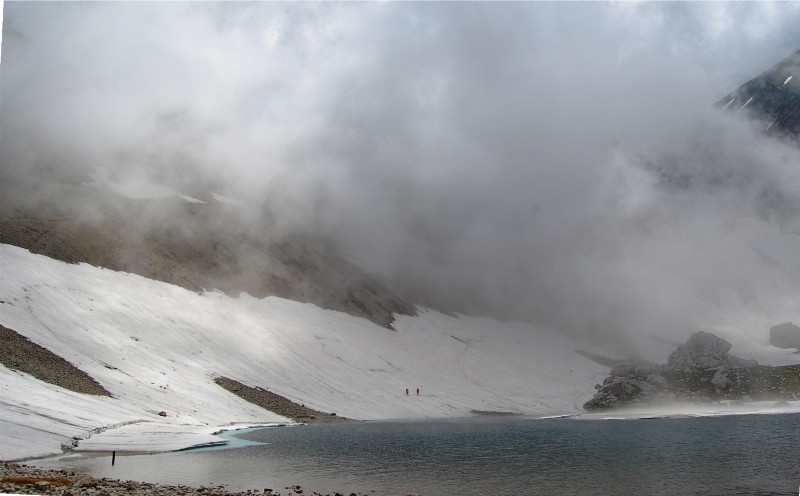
x: 773, y: 96
x: 700, y: 370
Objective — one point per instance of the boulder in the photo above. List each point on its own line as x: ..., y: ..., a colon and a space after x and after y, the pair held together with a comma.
x: 707, y: 342
x: 786, y: 335
x: 616, y: 391
x: 702, y: 351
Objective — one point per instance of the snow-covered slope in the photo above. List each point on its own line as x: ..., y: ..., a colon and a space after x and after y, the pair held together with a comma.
x: 157, y: 347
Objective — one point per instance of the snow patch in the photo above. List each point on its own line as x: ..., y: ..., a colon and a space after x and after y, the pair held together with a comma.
x: 228, y: 201
x: 157, y: 348
x: 728, y: 104
x: 745, y: 104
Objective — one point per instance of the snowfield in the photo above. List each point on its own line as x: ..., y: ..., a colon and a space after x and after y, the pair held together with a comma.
x: 157, y: 347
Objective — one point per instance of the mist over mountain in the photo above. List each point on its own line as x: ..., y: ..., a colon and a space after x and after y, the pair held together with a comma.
x: 550, y: 163
x: 240, y: 213
x: 773, y: 96
x: 198, y: 246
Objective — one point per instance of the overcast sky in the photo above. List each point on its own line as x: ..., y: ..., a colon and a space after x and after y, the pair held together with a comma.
x: 494, y: 157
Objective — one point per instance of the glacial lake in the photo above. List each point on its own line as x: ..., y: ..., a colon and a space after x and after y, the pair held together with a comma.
x: 730, y: 455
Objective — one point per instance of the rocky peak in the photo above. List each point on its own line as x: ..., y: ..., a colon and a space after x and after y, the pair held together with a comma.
x: 786, y: 335
x: 773, y: 96
x: 699, y: 370
x: 702, y: 351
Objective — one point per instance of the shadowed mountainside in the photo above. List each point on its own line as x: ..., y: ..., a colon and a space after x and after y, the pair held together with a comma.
x: 773, y: 96
x: 198, y: 246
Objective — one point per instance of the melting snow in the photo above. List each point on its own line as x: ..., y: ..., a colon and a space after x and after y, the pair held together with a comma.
x: 746, y: 103
x: 728, y: 104
x: 157, y: 347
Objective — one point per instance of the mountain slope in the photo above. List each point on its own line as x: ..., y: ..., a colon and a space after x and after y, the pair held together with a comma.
x: 157, y: 347
x: 196, y: 246
x: 773, y: 96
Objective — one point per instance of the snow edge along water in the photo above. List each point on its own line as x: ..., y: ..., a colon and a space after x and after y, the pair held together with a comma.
x: 157, y: 347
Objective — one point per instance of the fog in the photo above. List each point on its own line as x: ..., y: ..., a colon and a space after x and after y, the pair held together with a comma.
x: 557, y: 163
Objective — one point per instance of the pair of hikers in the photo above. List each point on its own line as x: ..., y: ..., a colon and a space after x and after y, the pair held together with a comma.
x: 407, y: 391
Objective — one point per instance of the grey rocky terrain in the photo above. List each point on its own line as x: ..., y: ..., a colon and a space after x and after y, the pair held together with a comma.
x: 19, y: 353
x: 277, y: 403
x: 700, y: 370
x: 773, y: 96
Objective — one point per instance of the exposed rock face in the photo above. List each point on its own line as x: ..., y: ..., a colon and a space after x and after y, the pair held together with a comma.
x: 702, y: 351
x: 629, y: 383
x: 785, y: 335
x: 699, y: 370
x: 773, y: 96
x: 615, y: 391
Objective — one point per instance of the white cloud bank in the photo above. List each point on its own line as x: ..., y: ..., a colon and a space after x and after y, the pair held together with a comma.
x: 558, y: 163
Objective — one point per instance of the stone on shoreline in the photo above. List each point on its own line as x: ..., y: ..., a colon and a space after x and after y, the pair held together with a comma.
x: 18, y: 478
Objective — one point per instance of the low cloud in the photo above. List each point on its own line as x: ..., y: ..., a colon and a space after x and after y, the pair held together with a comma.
x: 556, y: 163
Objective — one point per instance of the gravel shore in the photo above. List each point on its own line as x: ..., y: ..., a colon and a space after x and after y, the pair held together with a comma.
x: 25, y: 479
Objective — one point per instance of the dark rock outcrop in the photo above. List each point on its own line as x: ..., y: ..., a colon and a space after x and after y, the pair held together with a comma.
x: 615, y: 391
x: 702, y: 351
x: 773, y: 96
x: 699, y: 370
x: 20, y: 353
x: 786, y: 335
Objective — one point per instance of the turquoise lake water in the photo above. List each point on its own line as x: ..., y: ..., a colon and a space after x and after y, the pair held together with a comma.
x: 732, y: 455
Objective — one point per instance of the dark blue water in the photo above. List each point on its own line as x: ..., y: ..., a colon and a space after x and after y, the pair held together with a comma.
x: 734, y: 455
